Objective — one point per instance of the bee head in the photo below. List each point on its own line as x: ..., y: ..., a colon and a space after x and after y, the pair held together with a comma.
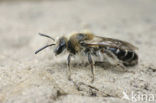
x: 60, y: 45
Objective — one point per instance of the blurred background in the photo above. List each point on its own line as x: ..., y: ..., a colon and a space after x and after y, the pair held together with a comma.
x: 21, y: 21
x: 25, y: 18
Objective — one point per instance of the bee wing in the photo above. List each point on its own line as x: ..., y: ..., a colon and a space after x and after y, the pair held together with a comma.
x: 109, y: 42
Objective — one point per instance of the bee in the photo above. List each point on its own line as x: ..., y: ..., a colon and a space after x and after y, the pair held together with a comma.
x: 90, y: 45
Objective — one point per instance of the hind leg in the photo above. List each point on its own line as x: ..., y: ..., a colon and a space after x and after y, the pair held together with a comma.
x: 116, y: 61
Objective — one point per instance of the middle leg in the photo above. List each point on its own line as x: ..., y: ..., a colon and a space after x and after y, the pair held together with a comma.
x: 91, y: 62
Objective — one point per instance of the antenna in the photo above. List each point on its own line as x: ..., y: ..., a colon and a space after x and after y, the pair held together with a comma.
x: 43, y: 48
x: 46, y: 36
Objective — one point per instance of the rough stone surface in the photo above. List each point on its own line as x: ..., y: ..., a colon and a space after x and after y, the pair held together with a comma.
x: 29, y: 78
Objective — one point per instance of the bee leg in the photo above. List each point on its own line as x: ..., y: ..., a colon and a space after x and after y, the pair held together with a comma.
x: 91, y: 62
x: 118, y: 62
x: 68, y: 67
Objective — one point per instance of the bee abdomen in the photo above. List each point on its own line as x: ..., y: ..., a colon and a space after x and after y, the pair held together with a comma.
x: 129, y: 58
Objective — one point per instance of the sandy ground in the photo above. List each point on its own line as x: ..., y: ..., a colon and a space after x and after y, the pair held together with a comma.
x: 29, y: 78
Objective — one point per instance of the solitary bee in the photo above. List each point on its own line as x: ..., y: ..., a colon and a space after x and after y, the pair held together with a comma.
x: 90, y: 45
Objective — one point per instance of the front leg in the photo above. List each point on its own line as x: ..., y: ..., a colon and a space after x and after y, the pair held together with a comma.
x: 68, y: 67
x: 91, y: 62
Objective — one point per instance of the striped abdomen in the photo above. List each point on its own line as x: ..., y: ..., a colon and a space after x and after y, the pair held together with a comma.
x: 129, y: 58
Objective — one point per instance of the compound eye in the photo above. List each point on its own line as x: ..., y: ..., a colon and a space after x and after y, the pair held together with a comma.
x: 62, y: 42
x: 61, y: 46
